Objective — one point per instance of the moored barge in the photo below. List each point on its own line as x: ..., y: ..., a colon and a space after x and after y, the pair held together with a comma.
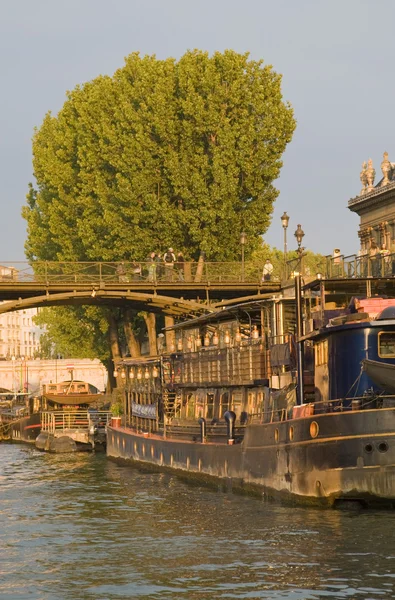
x: 260, y: 400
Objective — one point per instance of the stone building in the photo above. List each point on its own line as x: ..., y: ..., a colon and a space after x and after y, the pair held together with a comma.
x: 19, y: 336
x: 375, y: 206
x: 29, y: 375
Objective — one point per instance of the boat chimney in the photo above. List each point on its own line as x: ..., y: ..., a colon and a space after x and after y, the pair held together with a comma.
x: 230, y: 418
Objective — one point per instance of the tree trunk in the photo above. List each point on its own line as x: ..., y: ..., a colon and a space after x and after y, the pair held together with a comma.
x: 188, y: 271
x: 132, y: 341
x: 111, y: 382
x: 170, y: 335
x: 114, y: 344
x: 150, y: 321
x: 199, y: 268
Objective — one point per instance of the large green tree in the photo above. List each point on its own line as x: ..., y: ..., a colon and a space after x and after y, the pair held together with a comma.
x: 165, y: 152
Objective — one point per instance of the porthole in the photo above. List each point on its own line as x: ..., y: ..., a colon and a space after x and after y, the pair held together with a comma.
x: 314, y: 429
x: 291, y: 433
x: 276, y: 435
x: 382, y: 447
x: 369, y: 448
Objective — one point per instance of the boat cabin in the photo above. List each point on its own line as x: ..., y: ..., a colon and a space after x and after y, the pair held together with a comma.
x: 346, y: 327
x: 221, y: 362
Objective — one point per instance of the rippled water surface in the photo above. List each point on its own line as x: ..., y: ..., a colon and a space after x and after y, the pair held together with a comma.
x: 80, y: 526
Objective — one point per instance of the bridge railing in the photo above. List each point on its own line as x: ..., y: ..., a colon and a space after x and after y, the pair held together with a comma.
x: 140, y: 274
x: 359, y: 266
x: 53, y: 272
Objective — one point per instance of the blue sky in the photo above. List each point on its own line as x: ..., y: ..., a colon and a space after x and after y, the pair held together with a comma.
x: 335, y: 57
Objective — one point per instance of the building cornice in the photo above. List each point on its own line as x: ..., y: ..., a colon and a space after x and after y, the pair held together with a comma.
x: 372, y: 198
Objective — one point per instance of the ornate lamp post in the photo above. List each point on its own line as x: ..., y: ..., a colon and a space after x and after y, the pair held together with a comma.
x: 243, y: 239
x: 284, y: 223
x: 299, y: 234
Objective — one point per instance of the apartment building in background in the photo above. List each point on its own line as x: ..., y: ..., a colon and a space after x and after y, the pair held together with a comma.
x: 19, y: 336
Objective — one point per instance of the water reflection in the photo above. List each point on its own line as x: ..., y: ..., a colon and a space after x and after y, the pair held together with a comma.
x: 80, y: 526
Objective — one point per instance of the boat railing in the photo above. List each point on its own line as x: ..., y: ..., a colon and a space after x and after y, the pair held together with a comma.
x: 216, y: 432
x: 321, y: 407
x: 241, y: 363
x: 62, y: 421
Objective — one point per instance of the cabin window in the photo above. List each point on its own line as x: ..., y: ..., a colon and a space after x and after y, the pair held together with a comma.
x: 321, y: 353
x: 260, y: 402
x: 224, y: 404
x: 210, y: 406
x: 251, y: 402
x: 387, y: 344
x: 199, y: 408
x: 190, y: 413
x: 237, y: 399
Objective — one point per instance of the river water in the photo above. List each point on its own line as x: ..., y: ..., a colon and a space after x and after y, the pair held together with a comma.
x: 81, y: 526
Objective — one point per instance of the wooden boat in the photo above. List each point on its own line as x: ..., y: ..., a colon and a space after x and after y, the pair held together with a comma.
x: 71, y: 393
x: 248, y: 404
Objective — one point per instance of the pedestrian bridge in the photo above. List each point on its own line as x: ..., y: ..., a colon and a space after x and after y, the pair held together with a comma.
x: 179, y: 289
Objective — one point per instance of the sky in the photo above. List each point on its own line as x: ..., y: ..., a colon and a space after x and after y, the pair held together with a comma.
x: 335, y: 57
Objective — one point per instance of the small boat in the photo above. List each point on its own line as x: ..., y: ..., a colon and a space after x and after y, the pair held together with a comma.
x: 70, y: 393
x: 72, y: 417
x: 19, y: 415
x: 382, y: 373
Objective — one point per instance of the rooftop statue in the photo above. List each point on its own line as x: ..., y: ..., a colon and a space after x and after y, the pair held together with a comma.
x: 370, y: 175
x: 363, y: 179
x: 386, y: 169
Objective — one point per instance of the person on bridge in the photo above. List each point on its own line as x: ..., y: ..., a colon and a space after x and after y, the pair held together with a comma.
x: 136, y: 271
x: 121, y: 272
x: 169, y: 259
x: 180, y: 266
x: 159, y: 266
x: 152, y: 267
x: 267, y: 270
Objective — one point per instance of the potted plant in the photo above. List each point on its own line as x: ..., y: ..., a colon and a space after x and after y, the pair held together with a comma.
x: 116, y: 413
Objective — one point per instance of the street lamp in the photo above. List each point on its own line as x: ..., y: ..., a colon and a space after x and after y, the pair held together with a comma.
x: 284, y: 223
x: 243, y: 239
x: 299, y: 234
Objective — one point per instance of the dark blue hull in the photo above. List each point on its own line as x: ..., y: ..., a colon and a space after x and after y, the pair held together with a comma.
x: 352, y: 457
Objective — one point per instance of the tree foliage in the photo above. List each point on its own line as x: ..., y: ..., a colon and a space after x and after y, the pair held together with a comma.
x: 78, y: 332
x: 163, y: 153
